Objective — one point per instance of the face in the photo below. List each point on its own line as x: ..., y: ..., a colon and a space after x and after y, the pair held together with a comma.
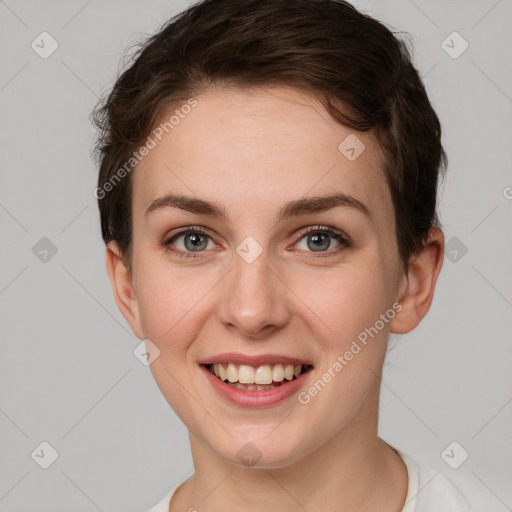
x: 265, y: 282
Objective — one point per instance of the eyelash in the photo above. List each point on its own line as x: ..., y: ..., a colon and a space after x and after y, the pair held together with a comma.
x: 340, y: 237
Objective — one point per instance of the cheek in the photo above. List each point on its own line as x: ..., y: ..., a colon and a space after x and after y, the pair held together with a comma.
x: 344, y: 301
x: 172, y: 302
x: 354, y: 340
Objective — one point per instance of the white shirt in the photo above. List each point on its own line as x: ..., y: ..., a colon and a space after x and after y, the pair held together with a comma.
x: 427, y: 491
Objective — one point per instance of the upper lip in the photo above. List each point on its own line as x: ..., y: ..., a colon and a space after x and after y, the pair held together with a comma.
x: 255, y: 360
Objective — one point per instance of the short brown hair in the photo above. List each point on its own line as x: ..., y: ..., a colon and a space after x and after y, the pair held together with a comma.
x: 325, y: 47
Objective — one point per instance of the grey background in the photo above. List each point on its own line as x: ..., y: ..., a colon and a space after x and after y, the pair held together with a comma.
x: 68, y: 373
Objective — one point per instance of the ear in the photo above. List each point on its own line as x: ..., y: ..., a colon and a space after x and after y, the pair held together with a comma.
x: 418, y: 284
x: 122, y: 286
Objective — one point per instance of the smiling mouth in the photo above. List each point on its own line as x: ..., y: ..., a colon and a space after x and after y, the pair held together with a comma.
x: 259, y: 378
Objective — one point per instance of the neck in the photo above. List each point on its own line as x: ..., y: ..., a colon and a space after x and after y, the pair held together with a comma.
x: 354, y: 470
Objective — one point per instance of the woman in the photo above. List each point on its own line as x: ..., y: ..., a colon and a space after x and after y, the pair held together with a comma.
x: 267, y: 192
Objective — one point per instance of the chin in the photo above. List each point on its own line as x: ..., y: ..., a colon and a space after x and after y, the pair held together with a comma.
x: 262, y: 453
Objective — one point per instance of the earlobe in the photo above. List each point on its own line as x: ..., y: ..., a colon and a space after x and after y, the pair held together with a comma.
x: 417, y: 291
x: 122, y: 287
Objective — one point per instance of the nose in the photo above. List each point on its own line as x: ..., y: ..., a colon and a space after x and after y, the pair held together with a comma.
x: 254, y: 300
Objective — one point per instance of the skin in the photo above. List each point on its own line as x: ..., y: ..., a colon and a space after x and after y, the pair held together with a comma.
x: 251, y: 151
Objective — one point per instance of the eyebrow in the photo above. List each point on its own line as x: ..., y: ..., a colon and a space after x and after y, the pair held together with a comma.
x: 296, y: 208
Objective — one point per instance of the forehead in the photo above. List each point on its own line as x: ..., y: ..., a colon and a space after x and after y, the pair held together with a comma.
x: 241, y: 147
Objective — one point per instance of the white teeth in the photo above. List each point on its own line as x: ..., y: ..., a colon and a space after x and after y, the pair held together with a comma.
x: 246, y: 374
x: 263, y: 375
x: 222, y: 373
x: 232, y: 373
x: 252, y: 387
x: 258, y: 377
x: 278, y: 373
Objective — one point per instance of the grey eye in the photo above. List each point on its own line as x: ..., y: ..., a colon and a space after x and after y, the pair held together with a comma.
x: 195, y: 241
x: 318, y: 241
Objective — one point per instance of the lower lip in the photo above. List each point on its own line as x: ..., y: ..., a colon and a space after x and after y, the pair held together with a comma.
x: 264, y: 398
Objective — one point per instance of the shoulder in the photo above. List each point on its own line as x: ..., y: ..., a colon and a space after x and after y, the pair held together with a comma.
x: 163, y: 504
x: 431, y: 490
x: 438, y: 493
